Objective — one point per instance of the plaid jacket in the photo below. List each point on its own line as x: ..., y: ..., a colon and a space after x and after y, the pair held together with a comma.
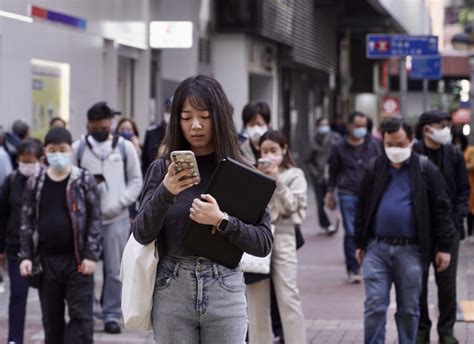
x: 84, y: 208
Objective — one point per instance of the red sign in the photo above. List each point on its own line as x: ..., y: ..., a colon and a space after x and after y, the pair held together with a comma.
x: 461, y: 116
x: 390, y: 106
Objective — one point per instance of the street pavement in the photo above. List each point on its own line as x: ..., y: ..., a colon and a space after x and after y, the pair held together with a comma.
x: 333, y: 309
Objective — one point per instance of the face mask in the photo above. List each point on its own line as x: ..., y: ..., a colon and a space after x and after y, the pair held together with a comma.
x: 276, y: 159
x: 167, y: 117
x: 359, y: 133
x: 441, y: 136
x: 100, y: 136
x: 324, y: 129
x: 28, y: 169
x: 127, y: 135
x: 256, y: 132
x: 59, y: 161
x: 398, y: 154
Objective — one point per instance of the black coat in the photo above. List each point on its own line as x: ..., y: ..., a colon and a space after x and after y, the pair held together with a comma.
x: 431, y: 204
x: 10, y: 213
x: 453, y: 168
x: 153, y: 139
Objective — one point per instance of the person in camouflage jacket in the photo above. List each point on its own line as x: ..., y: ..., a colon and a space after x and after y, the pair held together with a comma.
x: 84, y: 209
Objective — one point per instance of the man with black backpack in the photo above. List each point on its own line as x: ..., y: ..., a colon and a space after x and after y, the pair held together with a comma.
x: 115, y: 164
x: 404, y: 216
x: 434, y: 132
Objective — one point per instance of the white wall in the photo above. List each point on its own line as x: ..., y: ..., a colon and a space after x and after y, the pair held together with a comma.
x: 93, y: 62
x: 230, y: 62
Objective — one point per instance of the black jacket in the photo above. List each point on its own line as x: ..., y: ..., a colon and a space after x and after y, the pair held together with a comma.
x: 153, y: 139
x: 430, y: 200
x: 453, y: 168
x: 10, y: 213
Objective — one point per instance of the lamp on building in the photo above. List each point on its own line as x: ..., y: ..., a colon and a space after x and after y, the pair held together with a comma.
x: 465, y: 41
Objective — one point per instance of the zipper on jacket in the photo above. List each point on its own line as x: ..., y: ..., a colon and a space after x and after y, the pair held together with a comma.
x: 73, y: 209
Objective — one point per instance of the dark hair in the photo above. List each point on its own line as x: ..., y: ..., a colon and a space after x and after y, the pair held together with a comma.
x: 57, y: 136
x: 204, y: 93
x: 251, y: 110
x: 132, y: 123
x: 55, y: 119
x: 20, y: 128
x: 459, y: 136
x: 30, y: 146
x: 100, y: 111
x: 352, y: 116
x: 279, y: 137
x: 394, y: 124
x: 320, y: 119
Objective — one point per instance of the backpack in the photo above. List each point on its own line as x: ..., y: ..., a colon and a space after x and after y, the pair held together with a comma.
x: 121, y: 145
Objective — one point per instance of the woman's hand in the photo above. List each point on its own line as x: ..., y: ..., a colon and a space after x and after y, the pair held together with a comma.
x: 88, y: 267
x: 206, y: 212
x: 270, y: 170
x: 26, y: 267
x: 173, y: 183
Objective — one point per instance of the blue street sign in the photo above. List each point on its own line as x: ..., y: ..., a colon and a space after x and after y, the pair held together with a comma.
x: 425, y: 68
x: 384, y: 46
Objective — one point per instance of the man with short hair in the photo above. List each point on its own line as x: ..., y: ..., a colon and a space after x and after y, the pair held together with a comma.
x: 434, y: 132
x: 404, y: 216
x: 347, y: 163
x: 20, y: 131
x: 115, y: 164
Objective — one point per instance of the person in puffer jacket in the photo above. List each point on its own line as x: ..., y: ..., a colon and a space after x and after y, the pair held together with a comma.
x: 61, y: 232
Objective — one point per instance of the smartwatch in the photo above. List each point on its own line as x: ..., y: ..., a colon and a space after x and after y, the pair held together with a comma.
x: 222, y: 225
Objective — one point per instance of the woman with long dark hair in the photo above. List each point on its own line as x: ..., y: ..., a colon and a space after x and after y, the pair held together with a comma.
x: 196, y: 300
x: 287, y: 209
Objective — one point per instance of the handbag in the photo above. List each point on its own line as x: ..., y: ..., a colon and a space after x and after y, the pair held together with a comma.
x: 138, y: 276
x: 257, y: 265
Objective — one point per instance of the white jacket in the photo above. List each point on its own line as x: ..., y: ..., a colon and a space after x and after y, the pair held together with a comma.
x: 116, y: 195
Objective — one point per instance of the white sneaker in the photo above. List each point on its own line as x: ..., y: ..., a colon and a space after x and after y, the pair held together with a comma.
x: 353, y: 278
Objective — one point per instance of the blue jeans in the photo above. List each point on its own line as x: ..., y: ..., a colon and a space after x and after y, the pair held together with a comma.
x: 383, y: 265
x: 115, y: 237
x: 198, y: 301
x: 348, y: 206
x: 17, y: 305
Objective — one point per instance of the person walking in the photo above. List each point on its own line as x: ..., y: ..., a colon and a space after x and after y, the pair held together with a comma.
x: 317, y: 163
x: 404, y: 216
x: 196, y: 300
x: 114, y: 163
x: 347, y: 164
x: 30, y: 153
x: 287, y: 208
x: 5, y: 163
x: 60, y: 210
x: 434, y: 132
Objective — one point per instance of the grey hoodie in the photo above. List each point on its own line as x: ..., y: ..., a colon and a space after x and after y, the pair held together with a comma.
x: 116, y: 195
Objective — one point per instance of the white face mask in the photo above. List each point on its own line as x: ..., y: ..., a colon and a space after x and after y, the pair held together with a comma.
x: 28, y: 169
x: 441, y: 136
x: 256, y: 132
x: 167, y: 117
x: 398, y: 154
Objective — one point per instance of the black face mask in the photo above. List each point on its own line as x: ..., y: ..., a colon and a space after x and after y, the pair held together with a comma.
x: 100, y: 136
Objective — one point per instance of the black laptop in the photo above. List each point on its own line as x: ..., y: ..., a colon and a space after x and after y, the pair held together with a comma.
x: 242, y: 192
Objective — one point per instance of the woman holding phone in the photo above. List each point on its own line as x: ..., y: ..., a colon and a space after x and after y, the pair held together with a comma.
x: 287, y: 209
x: 196, y: 300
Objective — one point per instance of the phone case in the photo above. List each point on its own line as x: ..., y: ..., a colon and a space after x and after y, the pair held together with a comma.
x: 184, y: 160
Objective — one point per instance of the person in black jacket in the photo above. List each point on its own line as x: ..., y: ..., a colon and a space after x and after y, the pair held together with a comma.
x: 30, y: 152
x: 435, y: 134
x: 404, y: 215
x: 60, y: 209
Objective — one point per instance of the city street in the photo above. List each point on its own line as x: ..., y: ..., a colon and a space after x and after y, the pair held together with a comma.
x: 333, y: 309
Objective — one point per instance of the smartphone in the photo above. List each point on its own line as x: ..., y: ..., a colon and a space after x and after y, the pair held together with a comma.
x: 186, y: 160
x: 264, y: 162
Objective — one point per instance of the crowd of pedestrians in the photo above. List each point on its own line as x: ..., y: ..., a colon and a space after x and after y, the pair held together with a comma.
x: 403, y: 196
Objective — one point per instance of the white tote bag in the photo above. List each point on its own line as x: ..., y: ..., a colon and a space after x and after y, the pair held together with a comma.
x: 138, y: 275
x: 257, y: 265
